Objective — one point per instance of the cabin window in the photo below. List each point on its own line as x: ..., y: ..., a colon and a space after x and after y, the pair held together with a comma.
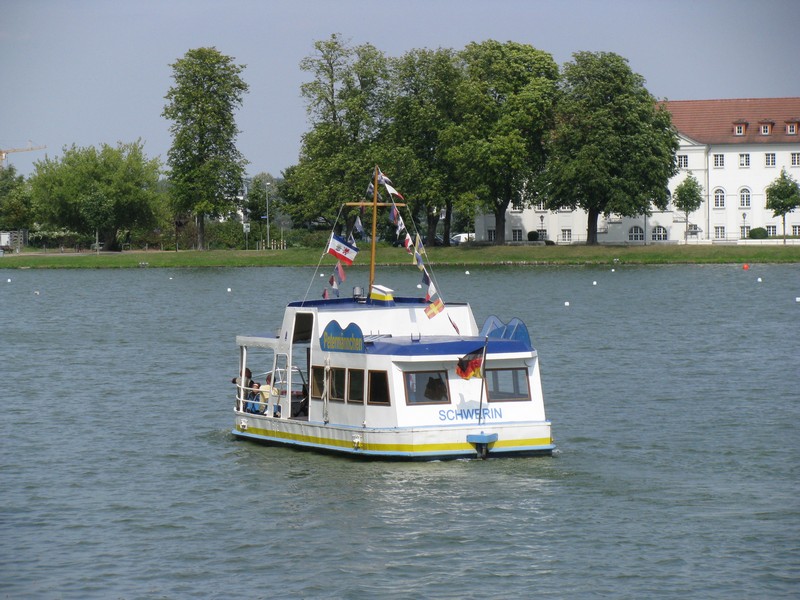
x: 336, y: 383
x: 317, y: 382
x: 378, y: 387
x: 507, y: 385
x: 355, y: 386
x: 426, y: 387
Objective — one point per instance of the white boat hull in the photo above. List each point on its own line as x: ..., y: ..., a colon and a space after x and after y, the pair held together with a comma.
x: 401, y: 443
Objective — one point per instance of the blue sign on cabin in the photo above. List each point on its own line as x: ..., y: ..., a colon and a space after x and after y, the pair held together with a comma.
x: 336, y: 339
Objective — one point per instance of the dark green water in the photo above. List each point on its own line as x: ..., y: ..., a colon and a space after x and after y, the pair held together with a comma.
x: 673, y: 393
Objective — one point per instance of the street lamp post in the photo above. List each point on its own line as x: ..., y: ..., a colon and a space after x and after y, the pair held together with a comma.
x: 541, y: 225
x: 744, y: 230
x: 266, y: 190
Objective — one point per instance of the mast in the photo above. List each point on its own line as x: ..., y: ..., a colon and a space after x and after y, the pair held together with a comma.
x: 375, y: 205
x: 374, y: 229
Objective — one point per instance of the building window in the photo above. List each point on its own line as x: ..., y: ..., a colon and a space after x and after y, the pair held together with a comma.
x: 491, y: 235
x: 683, y: 161
x: 719, y: 198
x: 744, y: 160
x: 636, y: 234
x: 719, y: 233
x: 744, y: 231
x: 795, y: 229
x: 659, y: 234
x: 765, y: 128
x: 542, y: 234
x: 791, y: 129
x: 516, y: 235
x: 739, y: 129
x: 719, y: 160
x: 796, y: 159
x: 539, y: 206
x: 744, y: 198
x: 769, y: 159
x: 772, y: 230
x: 566, y: 235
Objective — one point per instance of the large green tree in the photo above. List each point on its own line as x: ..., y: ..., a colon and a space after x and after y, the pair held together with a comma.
x: 345, y: 100
x: 688, y: 197
x: 15, y: 200
x: 783, y: 196
x: 206, y: 168
x: 97, y: 191
x: 505, y: 112
x: 613, y: 147
x: 423, y: 106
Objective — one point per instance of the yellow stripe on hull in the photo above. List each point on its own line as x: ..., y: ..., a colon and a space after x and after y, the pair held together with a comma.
x: 381, y: 448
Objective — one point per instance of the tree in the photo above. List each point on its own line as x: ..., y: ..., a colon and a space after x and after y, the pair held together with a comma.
x: 206, y: 167
x: 345, y: 102
x: 91, y: 191
x: 422, y: 108
x: 783, y: 196
x: 260, y: 201
x: 505, y: 112
x: 613, y: 147
x: 15, y: 200
x: 688, y: 197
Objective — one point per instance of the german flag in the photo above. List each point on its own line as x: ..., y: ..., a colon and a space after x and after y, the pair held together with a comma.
x: 470, y: 365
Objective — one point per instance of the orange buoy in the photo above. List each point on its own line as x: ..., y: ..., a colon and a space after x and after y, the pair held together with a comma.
x: 745, y: 266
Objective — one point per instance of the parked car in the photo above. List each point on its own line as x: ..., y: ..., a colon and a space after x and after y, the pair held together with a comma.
x: 460, y: 238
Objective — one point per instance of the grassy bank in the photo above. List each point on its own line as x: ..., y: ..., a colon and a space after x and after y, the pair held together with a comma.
x: 460, y: 255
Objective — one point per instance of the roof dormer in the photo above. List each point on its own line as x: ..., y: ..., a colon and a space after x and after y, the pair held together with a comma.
x: 765, y: 127
x: 740, y: 127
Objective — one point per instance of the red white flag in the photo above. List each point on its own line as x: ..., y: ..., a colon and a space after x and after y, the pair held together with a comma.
x: 342, y: 250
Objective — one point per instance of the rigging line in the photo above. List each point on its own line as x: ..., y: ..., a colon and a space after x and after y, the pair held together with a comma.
x: 324, y: 254
x: 429, y: 266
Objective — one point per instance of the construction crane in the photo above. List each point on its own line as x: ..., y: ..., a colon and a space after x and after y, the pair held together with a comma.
x: 4, y: 153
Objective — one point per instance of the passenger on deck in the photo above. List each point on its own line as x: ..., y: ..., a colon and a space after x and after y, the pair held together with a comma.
x: 253, y: 399
x: 248, y: 383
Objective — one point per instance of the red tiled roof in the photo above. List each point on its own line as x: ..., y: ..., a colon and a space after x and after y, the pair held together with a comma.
x: 712, y: 121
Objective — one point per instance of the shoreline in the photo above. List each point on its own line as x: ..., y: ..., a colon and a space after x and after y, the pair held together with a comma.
x: 457, y: 256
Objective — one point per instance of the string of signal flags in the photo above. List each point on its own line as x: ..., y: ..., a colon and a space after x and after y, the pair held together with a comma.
x: 346, y: 250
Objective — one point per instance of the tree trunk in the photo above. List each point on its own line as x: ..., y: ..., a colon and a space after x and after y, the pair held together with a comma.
x: 433, y: 222
x: 500, y: 225
x: 201, y: 231
x: 784, y: 229
x: 591, y: 227
x: 448, y: 212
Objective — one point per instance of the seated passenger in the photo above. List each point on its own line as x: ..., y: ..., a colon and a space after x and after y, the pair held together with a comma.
x: 253, y: 399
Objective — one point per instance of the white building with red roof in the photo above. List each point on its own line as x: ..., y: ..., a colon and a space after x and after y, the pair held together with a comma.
x: 734, y: 148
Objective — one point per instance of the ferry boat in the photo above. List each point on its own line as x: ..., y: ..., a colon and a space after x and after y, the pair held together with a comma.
x: 404, y: 378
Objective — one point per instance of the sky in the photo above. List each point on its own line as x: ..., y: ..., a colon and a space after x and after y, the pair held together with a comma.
x: 89, y: 72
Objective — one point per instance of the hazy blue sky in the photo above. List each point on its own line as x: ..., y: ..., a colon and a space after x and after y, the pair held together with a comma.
x: 90, y: 72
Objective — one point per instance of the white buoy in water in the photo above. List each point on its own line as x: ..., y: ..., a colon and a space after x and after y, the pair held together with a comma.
x: 35, y: 292
x: 566, y: 303
x: 758, y: 280
x: 419, y: 286
x: 612, y: 270
x: 466, y: 272
x: 9, y: 280
x: 594, y: 283
x: 229, y: 289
